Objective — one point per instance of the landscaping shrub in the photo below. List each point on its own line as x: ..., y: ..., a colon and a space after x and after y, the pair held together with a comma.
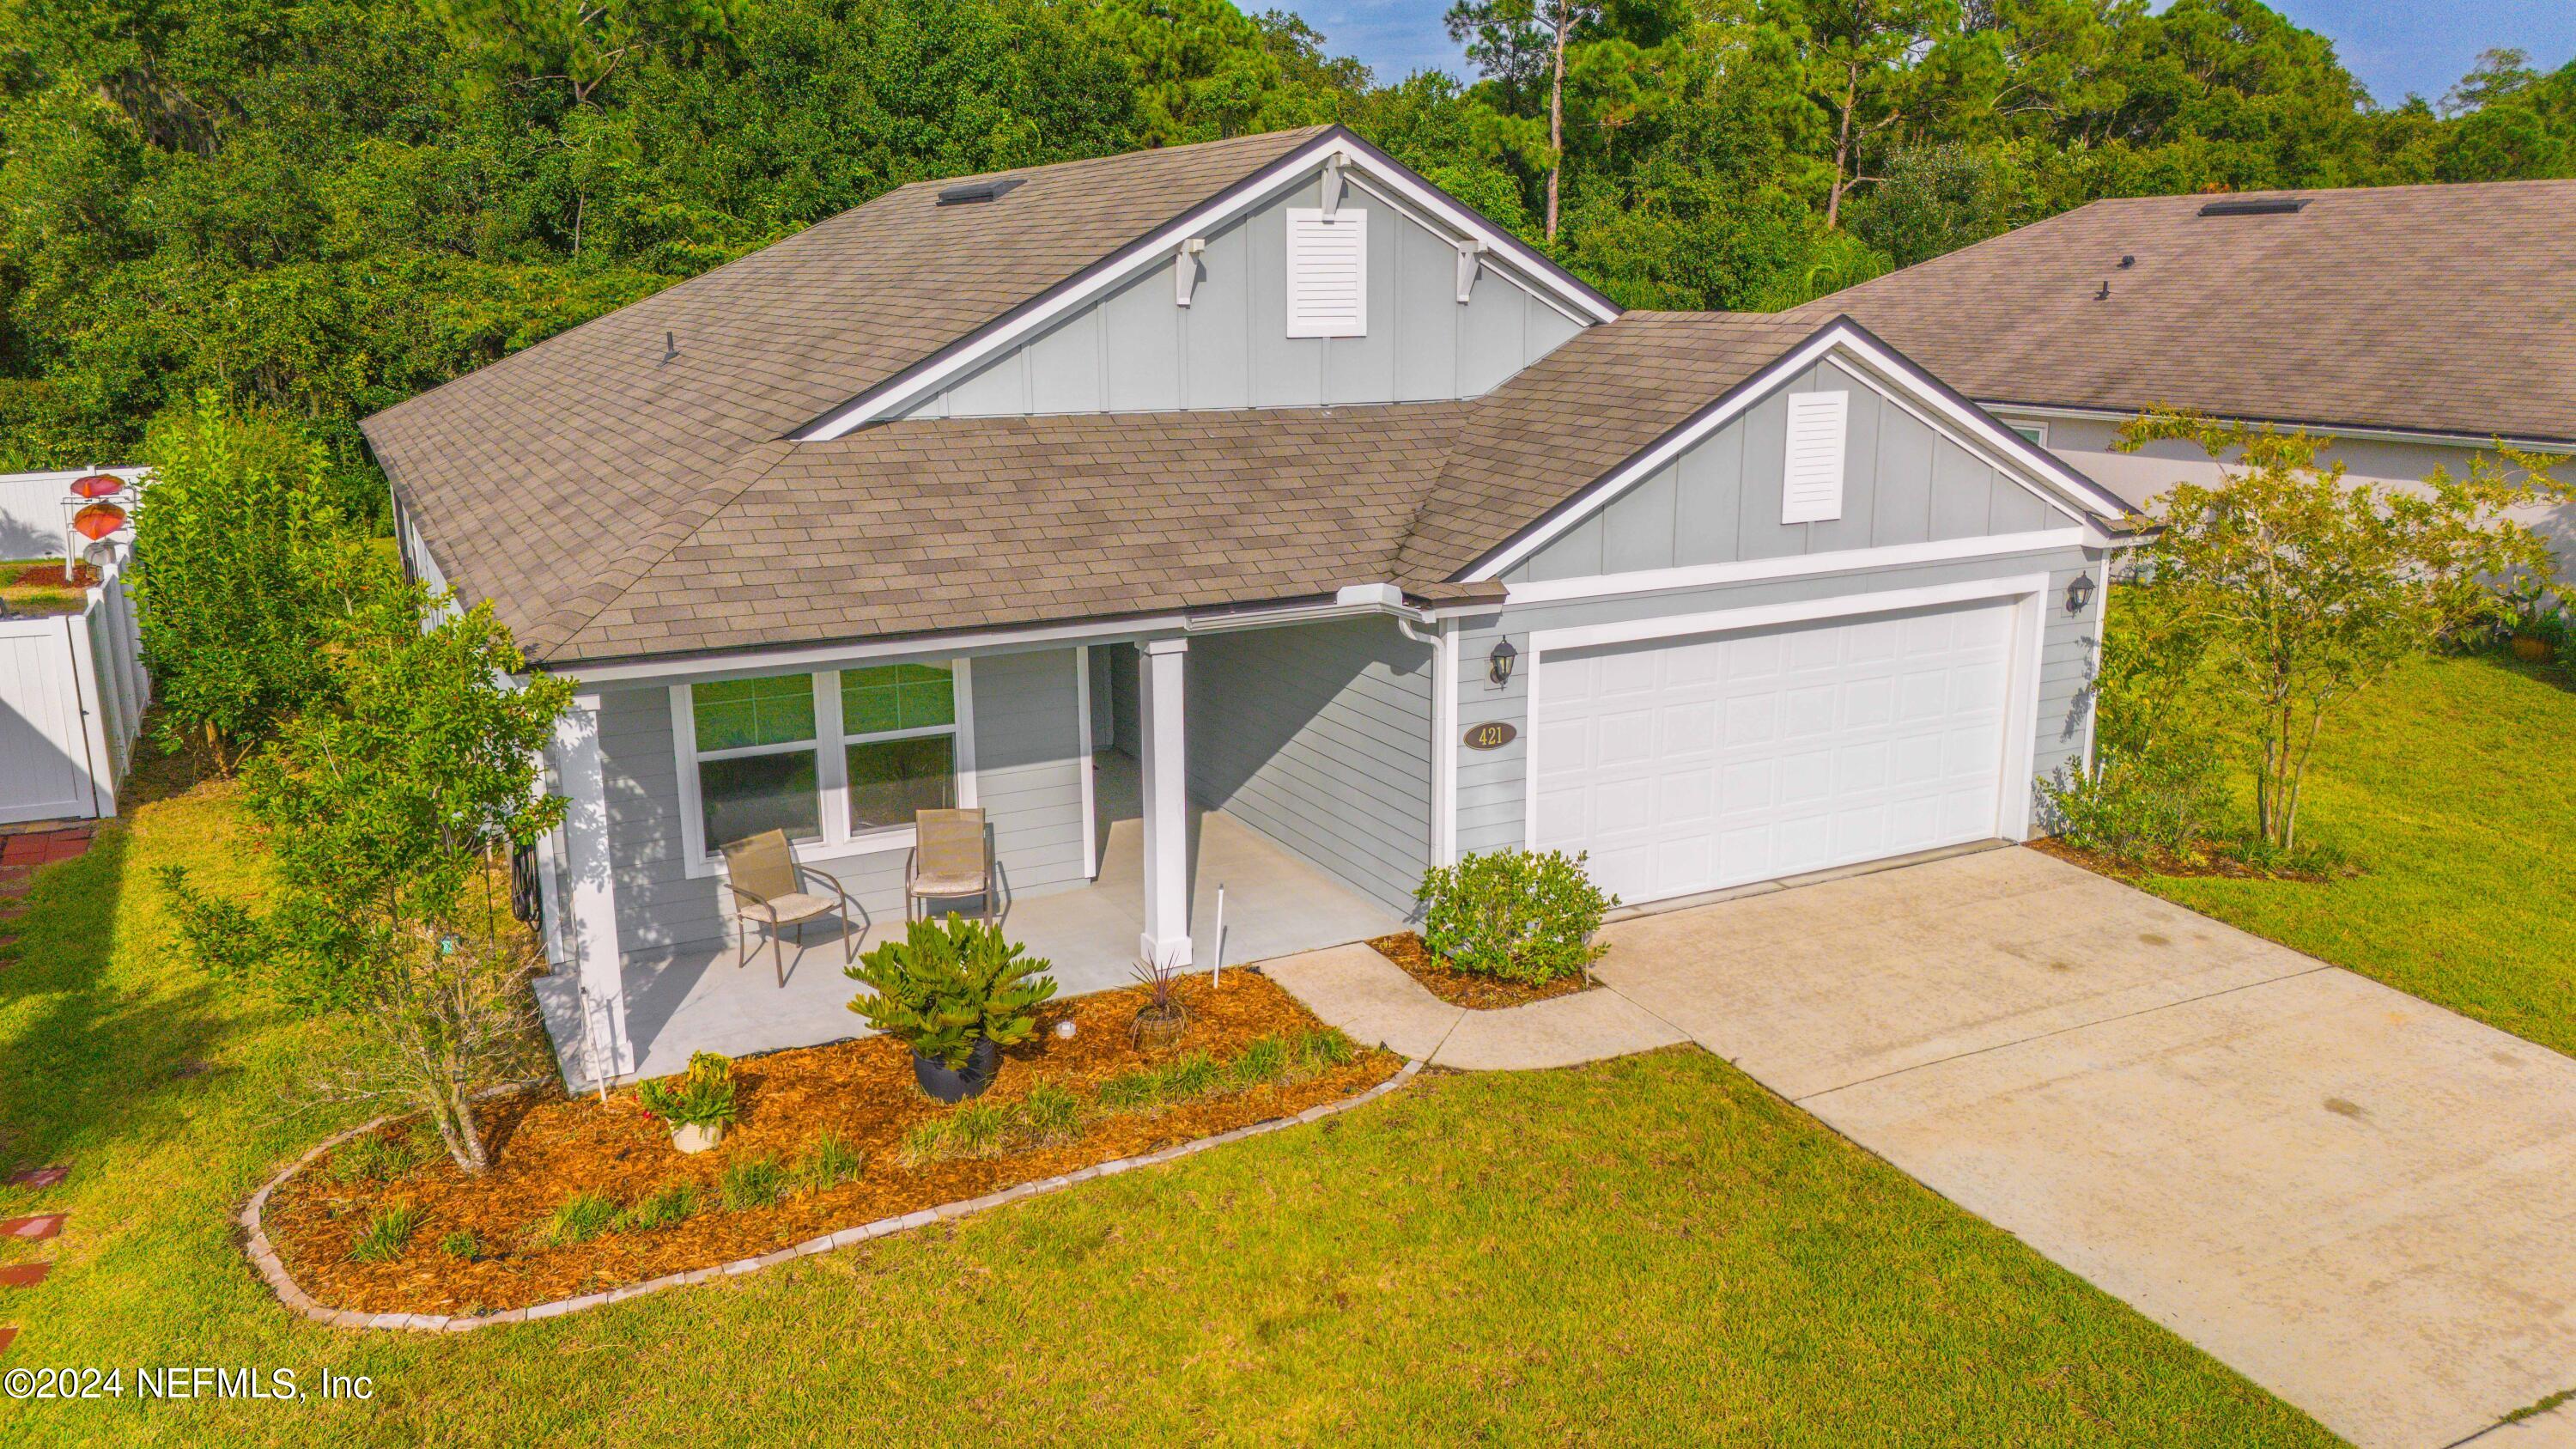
x: 1513, y: 914
x: 2136, y: 809
x: 753, y: 1182
x: 583, y: 1216
x: 239, y: 571
x: 830, y: 1162
x: 943, y: 988
x: 663, y: 1209
x: 701, y: 1096
x: 387, y: 1233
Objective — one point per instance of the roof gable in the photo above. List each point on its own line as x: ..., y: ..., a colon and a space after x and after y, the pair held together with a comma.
x: 1333, y: 152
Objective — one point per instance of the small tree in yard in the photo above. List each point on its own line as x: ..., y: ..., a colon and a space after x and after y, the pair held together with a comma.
x: 238, y: 568
x: 388, y: 803
x: 2291, y: 589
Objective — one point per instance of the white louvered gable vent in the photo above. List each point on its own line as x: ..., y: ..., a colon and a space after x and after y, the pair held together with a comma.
x: 1327, y: 272
x: 1811, y: 488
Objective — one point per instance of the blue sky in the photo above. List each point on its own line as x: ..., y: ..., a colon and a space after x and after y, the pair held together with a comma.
x: 2394, y: 46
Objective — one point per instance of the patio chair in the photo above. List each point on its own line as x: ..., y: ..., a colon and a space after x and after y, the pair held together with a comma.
x: 951, y: 857
x: 769, y: 887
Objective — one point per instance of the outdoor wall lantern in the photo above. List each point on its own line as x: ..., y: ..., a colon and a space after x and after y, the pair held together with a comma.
x: 2079, y: 594
x: 1498, y: 665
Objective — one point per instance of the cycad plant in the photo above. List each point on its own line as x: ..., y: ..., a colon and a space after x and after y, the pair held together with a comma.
x: 946, y: 986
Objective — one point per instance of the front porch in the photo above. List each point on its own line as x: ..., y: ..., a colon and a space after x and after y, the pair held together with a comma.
x: 706, y: 996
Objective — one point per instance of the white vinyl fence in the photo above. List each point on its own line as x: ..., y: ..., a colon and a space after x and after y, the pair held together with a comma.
x: 72, y: 692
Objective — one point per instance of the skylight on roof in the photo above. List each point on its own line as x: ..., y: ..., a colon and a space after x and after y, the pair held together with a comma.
x: 974, y: 191
x: 2254, y: 206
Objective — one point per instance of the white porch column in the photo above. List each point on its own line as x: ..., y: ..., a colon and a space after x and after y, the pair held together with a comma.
x: 1167, y: 812
x: 598, y: 961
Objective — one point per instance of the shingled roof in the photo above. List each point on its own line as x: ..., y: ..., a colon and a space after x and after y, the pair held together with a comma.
x: 628, y: 490
x: 2436, y: 309
x: 550, y: 478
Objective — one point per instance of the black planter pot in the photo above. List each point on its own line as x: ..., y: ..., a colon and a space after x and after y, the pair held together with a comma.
x: 952, y: 1084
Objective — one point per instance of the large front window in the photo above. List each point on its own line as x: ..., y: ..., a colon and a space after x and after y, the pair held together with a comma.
x: 841, y: 758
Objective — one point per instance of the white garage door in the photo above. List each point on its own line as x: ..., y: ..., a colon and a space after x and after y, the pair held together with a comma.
x: 1690, y: 764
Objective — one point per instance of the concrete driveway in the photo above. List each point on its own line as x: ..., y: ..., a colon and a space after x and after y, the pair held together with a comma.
x: 2364, y: 1203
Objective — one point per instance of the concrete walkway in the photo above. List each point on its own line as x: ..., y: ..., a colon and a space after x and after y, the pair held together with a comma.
x: 2362, y: 1202
x: 1374, y: 1002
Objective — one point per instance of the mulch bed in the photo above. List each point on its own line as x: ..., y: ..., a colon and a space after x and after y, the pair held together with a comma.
x: 1465, y: 988
x: 51, y: 576
x: 547, y: 1148
x: 2165, y: 863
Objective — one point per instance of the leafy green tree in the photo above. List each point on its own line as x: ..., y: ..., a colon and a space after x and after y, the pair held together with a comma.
x: 2297, y: 589
x: 390, y: 802
x: 238, y: 572
x: 579, y: 43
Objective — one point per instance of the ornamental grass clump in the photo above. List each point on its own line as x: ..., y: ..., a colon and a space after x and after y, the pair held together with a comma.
x: 582, y: 1217
x: 830, y: 1162
x: 667, y: 1208
x: 1516, y: 915
x: 386, y: 1234
x: 753, y: 1182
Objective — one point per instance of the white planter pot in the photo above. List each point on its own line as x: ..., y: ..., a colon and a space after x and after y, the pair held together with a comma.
x: 696, y: 1139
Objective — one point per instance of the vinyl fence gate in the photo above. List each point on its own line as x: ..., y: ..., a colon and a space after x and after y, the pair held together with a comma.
x: 72, y: 692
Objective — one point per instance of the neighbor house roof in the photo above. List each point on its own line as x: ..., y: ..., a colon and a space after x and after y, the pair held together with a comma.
x: 2434, y: 309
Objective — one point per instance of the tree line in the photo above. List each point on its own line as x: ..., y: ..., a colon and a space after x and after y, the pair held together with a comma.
x: 317, y: 209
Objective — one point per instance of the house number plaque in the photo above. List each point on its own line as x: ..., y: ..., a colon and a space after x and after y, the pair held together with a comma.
x: 1492, y: 735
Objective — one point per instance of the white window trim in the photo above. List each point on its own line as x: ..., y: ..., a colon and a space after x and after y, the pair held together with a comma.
x: 831, y: 771
x: 2029, y: 594
x: 2036, y: 425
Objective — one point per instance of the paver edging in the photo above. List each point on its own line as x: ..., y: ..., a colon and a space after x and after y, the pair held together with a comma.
x: 272, y: 1271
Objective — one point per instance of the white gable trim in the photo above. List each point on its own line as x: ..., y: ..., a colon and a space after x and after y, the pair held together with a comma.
x: 1358, y: 159
x: 1897, y: 379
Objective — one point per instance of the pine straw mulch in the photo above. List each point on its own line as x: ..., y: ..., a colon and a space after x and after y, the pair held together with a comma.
x: 1465, y: 988
x: 547, y: 1148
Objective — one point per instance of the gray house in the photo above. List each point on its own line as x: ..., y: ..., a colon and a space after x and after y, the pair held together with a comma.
x: 1246, y: 515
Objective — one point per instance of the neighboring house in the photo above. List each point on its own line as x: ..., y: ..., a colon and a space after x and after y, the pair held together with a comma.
x: 1246, y: 513
x: 2416, y: 325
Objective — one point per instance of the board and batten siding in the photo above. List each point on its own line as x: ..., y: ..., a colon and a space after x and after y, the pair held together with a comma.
x: 1319, y: 737
x: 1027, y: 746
x: 1137, y: 350
x: 1720, y: 501
x: 1491, y: 783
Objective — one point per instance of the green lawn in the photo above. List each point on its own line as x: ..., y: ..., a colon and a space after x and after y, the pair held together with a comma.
x: 1650, y: 1249
x: 2453, y: 788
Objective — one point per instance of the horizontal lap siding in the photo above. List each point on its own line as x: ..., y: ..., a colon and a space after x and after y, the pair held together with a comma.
x: 1319, y: 736
x: 1491, y: 814
x: 1026, y: 743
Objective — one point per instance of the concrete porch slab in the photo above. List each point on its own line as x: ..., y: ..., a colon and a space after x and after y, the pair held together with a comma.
x: 704, y: 996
